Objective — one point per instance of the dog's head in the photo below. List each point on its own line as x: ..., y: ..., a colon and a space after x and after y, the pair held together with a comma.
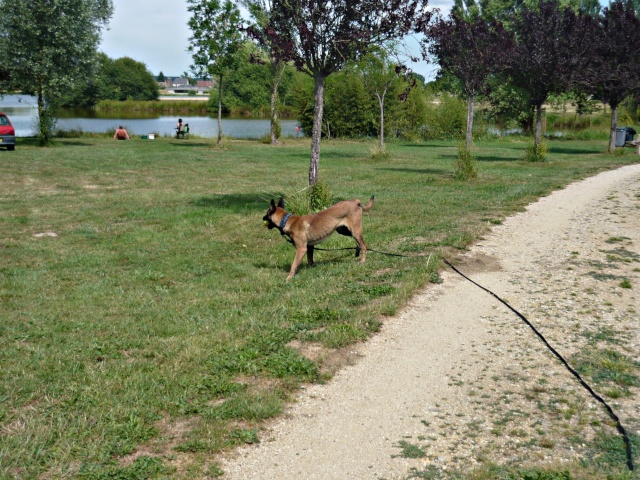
x: 268, y: 218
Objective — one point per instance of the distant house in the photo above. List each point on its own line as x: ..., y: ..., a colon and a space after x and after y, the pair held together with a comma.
x: 180, y: 82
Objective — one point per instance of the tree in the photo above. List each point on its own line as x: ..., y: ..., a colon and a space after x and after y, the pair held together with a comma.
x: 552, y: 53
x: 128, y: 79
x: 320, y: 36
x: 120, y: 79
x: 378, y: 76
x: 618, y: 68
x: 472, y: 51
x: 260, y: 11
x: 50, y: 47
x: 161, y: 78
x: 216, y: 39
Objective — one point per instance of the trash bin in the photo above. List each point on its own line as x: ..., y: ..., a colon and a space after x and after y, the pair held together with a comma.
x: 624, y: 135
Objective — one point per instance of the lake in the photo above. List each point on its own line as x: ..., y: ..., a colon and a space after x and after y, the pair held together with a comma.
x: 21, y: 110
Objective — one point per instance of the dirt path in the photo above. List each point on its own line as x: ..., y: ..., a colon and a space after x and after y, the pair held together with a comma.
x: 457, y: 380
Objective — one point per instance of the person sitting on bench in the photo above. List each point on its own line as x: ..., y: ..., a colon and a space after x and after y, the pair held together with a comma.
x: 180, y: 128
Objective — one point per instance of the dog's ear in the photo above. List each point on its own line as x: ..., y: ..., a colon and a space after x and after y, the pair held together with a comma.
x: 273, y: 204
x: 281, y: 202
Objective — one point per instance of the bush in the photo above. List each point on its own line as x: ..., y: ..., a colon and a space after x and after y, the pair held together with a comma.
x: 537, y: 153
x: 309, y: 200
x: 466, y: 166
x: 320, y: 196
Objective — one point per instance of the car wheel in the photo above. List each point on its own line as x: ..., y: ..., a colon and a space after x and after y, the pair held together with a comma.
x: 11, y: 147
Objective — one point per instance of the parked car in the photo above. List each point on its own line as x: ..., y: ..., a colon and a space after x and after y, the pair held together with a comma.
x: 7, y: 133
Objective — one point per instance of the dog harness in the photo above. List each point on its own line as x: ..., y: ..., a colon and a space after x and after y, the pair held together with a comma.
x: 283, y: 222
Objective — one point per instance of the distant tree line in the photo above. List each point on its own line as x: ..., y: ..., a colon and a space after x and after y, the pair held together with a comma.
x: 513, y: 56
x: 120, y: 79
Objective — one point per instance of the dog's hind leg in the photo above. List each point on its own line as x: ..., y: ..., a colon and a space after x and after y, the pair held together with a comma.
x: 361, y: 248
x: 344, y: 230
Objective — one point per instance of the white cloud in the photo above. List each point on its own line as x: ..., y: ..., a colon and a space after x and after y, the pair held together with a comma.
x: 153, y: 32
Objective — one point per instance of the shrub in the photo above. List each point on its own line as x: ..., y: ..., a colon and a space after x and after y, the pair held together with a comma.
x: 320, y: 196
x: 308, y: 200
x: 537, y: 153
x: 466, y: 166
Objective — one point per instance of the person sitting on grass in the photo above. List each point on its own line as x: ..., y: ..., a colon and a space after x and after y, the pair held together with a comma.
x: 121, y: 134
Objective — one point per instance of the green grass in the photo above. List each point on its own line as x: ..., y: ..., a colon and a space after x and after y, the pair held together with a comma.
x: 154, y: 329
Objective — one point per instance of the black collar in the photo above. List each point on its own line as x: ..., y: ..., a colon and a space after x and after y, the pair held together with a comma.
x: 283, y: 222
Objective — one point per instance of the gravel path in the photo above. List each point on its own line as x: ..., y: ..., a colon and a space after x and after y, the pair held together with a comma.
x: 457, y: 380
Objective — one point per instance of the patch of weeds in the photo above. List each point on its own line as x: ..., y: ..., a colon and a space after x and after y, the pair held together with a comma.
x: 215, y: 471
x: 194, y: 446
x: 618, y: 392
x: 606, y: 365
x: 142, y: 467
x: 609, y: 453
x: 341, y: 335
x: 625, y: 283
x: 243, y: 436
x: 410, y: 451
x: 249, y: 407
x: 379, y: 152
x: 547, y: 443
x: 616, y: 239
x: 603, y: 334
x: 491, y: 472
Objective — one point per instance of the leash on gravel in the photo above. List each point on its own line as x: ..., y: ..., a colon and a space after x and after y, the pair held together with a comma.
x: 610, y: 411
x: 615, y: 418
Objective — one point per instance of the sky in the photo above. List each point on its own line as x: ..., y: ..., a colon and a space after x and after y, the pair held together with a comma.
x: 155, y: 32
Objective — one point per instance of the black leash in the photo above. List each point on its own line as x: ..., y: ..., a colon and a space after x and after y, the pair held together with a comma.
x: 612, y: 414
x: 368, y: 250
x: 619, y: 426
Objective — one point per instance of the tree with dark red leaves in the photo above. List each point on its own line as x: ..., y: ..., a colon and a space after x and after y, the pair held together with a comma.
x: 470, y: 50
x: 618, y: 75
x: 319, y: 36
x: 553, y: 52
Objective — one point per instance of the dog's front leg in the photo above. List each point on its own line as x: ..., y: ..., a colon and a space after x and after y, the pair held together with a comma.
x: 300, y: 251
x: 310, y: 254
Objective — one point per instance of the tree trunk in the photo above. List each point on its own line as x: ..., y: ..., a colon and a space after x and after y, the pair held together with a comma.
x: 381, y: 136
x: 42, y: 125
x: 538, y: 137
x: 220, y: 110
x: 614, y: 126
x: 469, y: 136
x: 277, y: 69
x: 316, y: 133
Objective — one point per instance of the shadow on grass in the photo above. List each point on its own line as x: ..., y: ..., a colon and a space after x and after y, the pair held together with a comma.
x: 424, y: 171
x: 235, y: 202
x: 571, y: 150
x: 183, y: 144
x: 329, y: 258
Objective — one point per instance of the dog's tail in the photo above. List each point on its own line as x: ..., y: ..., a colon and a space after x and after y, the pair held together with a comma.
x: 367, y: 207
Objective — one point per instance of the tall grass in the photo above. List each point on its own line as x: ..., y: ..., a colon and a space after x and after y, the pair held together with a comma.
x: 146, y: 323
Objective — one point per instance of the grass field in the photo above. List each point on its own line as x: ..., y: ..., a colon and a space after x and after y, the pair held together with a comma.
x: 146, y: 323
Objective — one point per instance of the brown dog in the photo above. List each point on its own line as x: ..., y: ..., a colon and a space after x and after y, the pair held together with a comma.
x: 306, y: 231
